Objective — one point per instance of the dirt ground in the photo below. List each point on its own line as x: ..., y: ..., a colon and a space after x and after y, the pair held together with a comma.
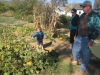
x: 62, y: 48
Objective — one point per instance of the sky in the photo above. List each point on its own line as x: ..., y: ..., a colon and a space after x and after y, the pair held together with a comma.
x: 77, y: 1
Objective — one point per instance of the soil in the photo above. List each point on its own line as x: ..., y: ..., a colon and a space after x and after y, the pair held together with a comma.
x: 62, y: 48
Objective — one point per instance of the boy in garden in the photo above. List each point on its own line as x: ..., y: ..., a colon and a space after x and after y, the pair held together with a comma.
x: 39, y: 35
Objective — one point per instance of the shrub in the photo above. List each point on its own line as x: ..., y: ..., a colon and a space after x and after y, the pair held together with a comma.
x: 17, y: 16
x: 25, y: 18
x: 30, y: 19
x: 19, y: 59
x: 63, y: 22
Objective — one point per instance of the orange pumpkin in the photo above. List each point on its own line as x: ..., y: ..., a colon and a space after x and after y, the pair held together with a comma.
x: 29, y: 63
x: 60, y: 38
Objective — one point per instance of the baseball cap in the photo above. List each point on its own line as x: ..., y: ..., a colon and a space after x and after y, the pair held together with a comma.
x: 86, y: 3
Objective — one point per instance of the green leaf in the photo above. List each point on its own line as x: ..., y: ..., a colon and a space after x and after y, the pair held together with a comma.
x: 34, y: 67
x: 37, y: 72
x: 31, y: 71
x: 19, y: 73
x: 6, y: 73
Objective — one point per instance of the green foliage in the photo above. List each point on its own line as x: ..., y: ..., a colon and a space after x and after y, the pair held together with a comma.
x: 17, y: 57
x: 23, y: 7
x: 3, y: 7
x: 48, y: 36
x: 63, y: 19
x: 66, y: 67
x: 7, y: 20
x: 9, y: 34
x: 30, y: 19
x: 1, y: 25
x: 17, y: 16
x: 19, y: 25
x: 68, y: 21
x: 63, y: 22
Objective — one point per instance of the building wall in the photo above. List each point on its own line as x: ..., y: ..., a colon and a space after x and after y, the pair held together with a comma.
x: 79, y: 12
x: 69, y: 14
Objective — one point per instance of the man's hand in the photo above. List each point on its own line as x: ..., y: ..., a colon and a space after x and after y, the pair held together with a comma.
x: 91, y: 42
x: 74, y: 37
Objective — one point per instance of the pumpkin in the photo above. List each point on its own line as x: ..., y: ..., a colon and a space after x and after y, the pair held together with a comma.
x: 29, y: 63
x: 60, y: 38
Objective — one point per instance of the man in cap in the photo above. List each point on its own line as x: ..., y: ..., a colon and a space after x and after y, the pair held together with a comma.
x: 88, y: 31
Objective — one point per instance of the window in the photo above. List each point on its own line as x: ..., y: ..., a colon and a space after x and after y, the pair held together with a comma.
x: 79, y: 12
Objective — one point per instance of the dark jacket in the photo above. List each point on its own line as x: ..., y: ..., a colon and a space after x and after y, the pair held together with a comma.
x: 75, y: 20
x: 39, y: 35
x: 93, y: 24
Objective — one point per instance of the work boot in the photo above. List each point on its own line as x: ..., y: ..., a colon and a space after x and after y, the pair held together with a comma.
x: 76, y: 62
x: 81, y: 72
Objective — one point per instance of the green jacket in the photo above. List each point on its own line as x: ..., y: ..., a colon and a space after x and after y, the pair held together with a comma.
x: 93, y: 24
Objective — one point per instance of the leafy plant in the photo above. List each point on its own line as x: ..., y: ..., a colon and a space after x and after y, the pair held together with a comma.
x: 30, y: 19
x: 7, y: 20
x: 63, y: 22
x: 48, y: 36
x: 17, y: 57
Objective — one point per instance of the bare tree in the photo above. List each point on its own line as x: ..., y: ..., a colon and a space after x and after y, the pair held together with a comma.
x: 45, y: 15
x: 72, y: 5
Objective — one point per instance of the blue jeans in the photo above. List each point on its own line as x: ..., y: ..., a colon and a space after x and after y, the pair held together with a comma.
x: 81, y: 51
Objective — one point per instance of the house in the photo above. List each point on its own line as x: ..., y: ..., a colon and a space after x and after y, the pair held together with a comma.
x: 80, y: 11
x: 60, y: 10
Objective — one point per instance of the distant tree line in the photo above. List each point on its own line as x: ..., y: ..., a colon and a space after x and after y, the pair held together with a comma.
x: 33, y: 10
x: 23, y: 7
x: 3, y: 7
